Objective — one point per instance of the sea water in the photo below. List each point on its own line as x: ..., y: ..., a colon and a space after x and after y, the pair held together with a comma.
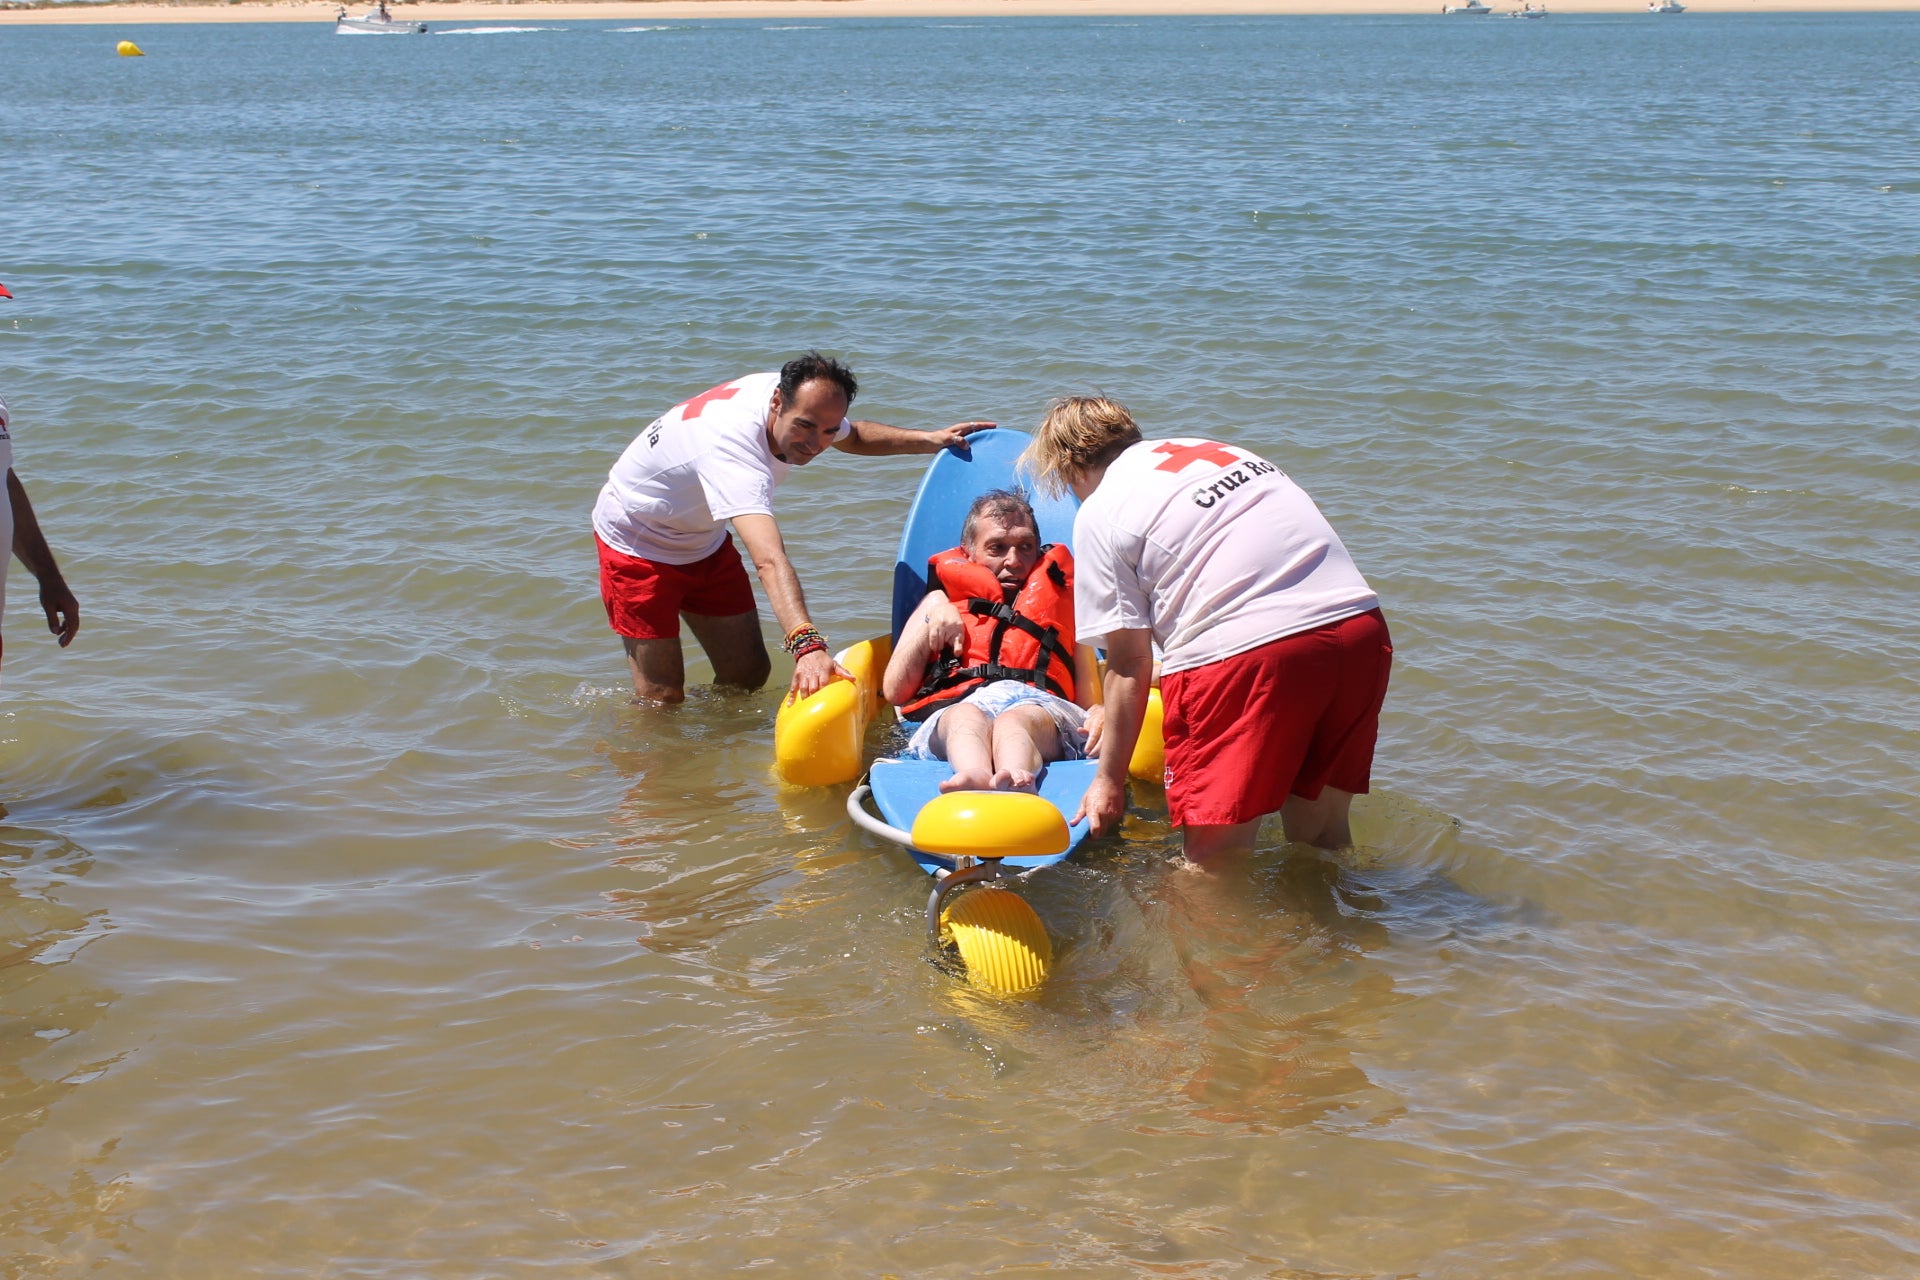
x: 357, y: 924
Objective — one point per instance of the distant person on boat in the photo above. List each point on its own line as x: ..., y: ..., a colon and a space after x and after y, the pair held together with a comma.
x: 20, y: 538
x: 987, y: 663
x: 1275, y: 653
x: 660, y: 523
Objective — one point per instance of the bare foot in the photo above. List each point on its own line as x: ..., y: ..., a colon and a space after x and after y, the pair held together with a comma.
x: 1019, y: 780
x: 969, y: 782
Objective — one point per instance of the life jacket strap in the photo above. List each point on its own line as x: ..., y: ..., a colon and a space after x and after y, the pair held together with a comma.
x: 988, y: 672
x: 1049, y: 637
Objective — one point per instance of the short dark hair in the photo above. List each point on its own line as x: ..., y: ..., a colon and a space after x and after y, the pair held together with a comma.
x: 801, y: 370
x: 998, y: 504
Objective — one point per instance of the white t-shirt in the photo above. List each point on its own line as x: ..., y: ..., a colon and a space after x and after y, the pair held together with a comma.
x: 696, y: 466
x: 6, y: 505
x: 1212, y: 549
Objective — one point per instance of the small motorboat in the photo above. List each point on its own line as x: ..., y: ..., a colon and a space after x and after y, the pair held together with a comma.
x: 1529, y: 10
x: 1665, y: 6
x: 377, y: 22
x: 1471, y: 6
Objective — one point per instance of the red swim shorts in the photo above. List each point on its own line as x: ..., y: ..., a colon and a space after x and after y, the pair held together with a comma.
x: 645, y: 598
x: 1288, y: 718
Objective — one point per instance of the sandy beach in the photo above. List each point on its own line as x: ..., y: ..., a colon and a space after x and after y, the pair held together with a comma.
x: 682, y: 10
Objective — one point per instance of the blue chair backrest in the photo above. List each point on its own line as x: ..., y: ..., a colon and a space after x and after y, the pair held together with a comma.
x: 947, y: 490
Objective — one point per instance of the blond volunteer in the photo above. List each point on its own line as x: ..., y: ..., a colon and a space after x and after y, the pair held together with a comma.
x: 1274, y: 652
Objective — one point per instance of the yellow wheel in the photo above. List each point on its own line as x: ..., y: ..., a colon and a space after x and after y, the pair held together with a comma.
x: 1001, y: 940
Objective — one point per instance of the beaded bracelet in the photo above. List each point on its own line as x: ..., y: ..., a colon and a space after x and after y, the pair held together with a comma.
x: 815, y: 645
x: 806, y: 637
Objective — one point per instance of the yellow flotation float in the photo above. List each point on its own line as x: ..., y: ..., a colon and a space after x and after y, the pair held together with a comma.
x: 128, y: 49
x: 820, y: 741
x: 1149, y: 759
x: 990, y: 824
x: 1001, y: 941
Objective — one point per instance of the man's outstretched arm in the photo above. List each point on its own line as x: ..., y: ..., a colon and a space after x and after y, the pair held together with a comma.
x: 30, y: 548
x: 877, y: 439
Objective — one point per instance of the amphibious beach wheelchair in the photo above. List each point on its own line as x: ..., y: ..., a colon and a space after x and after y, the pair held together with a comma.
x: 965, y: 840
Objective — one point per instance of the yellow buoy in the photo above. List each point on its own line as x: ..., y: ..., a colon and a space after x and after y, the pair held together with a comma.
x: 1001, y: 940
x: 991, y: 824
x: 128, y: 49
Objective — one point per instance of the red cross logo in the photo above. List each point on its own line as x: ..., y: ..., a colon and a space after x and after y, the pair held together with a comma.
x: 698, y: 405
x: 1179, y: 455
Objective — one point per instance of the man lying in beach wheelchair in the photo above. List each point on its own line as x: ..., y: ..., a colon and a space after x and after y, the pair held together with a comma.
x: 987, y: 666
x: 967, y: 839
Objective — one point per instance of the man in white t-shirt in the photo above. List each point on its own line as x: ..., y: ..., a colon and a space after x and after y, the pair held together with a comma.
x: 1274, y: 654
x: 660, y: 522
x: 20, y: 534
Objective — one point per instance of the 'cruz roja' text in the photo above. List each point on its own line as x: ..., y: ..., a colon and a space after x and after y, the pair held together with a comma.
x: 1208, y: 494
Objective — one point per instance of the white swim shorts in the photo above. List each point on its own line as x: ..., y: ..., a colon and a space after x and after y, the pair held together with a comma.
x: 1000, y: 696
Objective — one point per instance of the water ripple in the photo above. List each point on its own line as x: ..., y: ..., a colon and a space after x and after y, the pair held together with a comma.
x: 359, y: 924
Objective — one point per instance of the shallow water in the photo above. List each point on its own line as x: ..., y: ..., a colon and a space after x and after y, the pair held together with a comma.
x: 357, y: 925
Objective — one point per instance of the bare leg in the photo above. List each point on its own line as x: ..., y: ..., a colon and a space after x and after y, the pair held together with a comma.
x: 1212, y: 846
x: 1321, y: 822
x: 1024, y: 738
x: 658, y: 672
x: 734, y: 646
x: 961, y: 739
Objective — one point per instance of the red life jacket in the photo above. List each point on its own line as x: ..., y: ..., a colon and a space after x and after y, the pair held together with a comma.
x: 1029, y: 638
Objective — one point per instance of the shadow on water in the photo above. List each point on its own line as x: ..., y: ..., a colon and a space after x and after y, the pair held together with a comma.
x: 674, y: 758
x: 1275, y: 955
x: 1244, y: 996
x: 46, y: 1009
x: 698, y: 809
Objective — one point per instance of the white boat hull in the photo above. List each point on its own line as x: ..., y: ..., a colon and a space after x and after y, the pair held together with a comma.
x: 375, y: 27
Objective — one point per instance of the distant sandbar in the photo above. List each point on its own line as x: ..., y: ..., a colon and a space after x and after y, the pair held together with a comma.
x: 129, y: 14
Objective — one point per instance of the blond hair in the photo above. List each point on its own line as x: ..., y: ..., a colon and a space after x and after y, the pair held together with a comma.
x: 1079, y: 434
